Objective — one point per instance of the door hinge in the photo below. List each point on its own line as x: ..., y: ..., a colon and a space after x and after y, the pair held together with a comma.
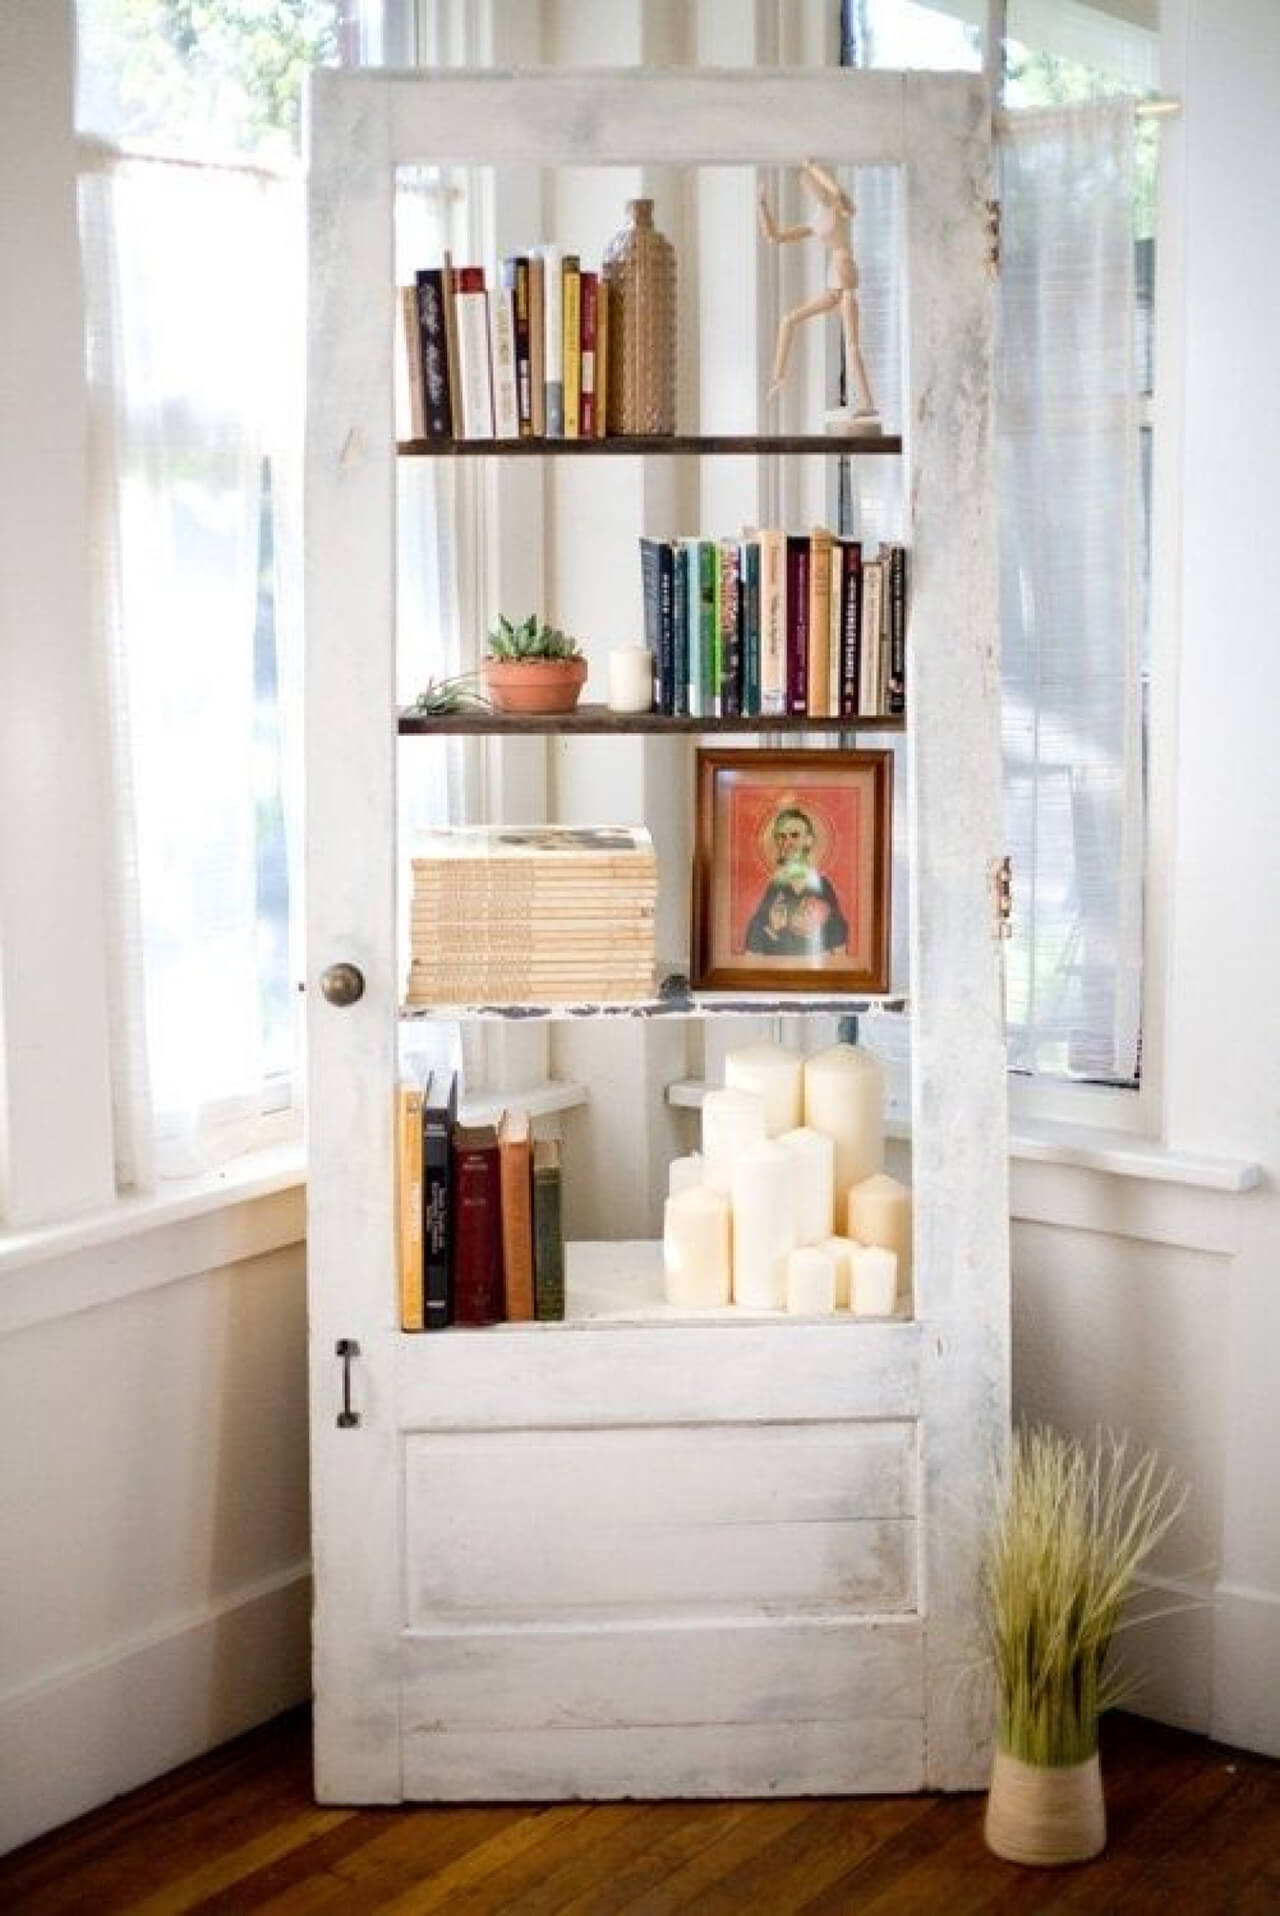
x: 993, y: 238
x: 1002, y: 896
x: 346, y: 1348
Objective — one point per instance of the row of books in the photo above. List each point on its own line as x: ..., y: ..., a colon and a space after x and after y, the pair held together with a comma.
x: 554, y: 913
x: 480, y: 1233
x: 790, y: 623
x: 517, y: 355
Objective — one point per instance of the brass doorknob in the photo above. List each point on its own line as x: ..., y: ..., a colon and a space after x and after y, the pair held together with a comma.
x: 342, y: 984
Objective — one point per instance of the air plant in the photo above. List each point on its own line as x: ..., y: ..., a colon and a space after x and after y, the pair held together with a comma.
x: 439, y: 697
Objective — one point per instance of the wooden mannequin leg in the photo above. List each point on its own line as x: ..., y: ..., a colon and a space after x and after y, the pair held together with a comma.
x: 786, y: 332
x: 855, y: 370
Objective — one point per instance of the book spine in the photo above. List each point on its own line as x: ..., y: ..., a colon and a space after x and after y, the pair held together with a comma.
x: 438, y: 421
x: 437, y: 1120
x: 409, y: 1205
x: 773, y: 623
x: 869, y: 638
x: 515, y: 279
x: 471, y: 311
x: 411, y: 419
x: 651, y: 593
x: 749, y: 566
x: 588, y: 293
x: 515, y: 1172
x: 729, y: 628
x: 819, y: 668
x: 797, y: 643
x: 553, y: 338
x: 502, y: 363
x: 477, y: 1234
x: 850, y: 612
x: 834, y: 633
x: 708, y: 631
x: 537, y: 346
x: 548, y: 1233
x: 449, y: 286
x: 680, y: 627
x: 602, y: 358
x: 897, y: 700
x: 572, y: 351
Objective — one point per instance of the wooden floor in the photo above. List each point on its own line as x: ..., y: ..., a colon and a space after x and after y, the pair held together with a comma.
x: 1194, y: 1829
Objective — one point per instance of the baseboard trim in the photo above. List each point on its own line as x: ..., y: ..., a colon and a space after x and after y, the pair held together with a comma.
x: 74, y: 1740
x: 1246, y: 1703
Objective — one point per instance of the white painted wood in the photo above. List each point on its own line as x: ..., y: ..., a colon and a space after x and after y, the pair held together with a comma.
x: 416, y: 1509
x: 622, y: 1283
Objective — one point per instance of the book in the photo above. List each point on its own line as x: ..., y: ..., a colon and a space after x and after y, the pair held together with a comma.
x: 571, y: 327
x: 515, y: 279
x: 553, y: 337
x: 896, y: 699
x: 502, y: 362
x: 850, y: 613
x: 602, y: 359
x: 548, y: 1232
x: 408, y: 1146
x: 729, y: 627
x: 657, y: 579
x: 537, y: 346
x: 704, y: 662
x: 437, y: 412
x: 773, y: 626
x: 475, y: 1260
x: 588, y: 294
x: 835, y: 632
x: 471, y: 313
x: 679, y: 626
x: 410, y: 409
x: 819, y: 630
x: 439, y: 1115
x: 749, y: 566
x: 869, y: 638
x: 797, y: 629
x: 515, y: 1178
x: 450, y: 288
x: 602, y: 847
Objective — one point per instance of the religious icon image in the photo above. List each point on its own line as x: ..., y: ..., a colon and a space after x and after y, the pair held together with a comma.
x: 831, y: 224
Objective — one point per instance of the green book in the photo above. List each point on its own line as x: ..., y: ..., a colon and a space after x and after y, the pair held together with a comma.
x: 548, y: 1233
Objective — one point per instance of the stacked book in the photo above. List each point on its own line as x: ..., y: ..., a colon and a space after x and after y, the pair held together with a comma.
x: 550, y: 914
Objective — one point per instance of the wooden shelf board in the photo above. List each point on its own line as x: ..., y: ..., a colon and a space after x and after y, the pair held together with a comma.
x: 598, y: 718
x: 709, y: 445
x: 673, y: 1004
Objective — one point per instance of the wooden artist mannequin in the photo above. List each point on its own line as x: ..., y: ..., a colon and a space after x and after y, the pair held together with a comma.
x: 830, y: 224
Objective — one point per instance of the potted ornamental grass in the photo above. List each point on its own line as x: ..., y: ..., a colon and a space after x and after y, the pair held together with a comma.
x: 1074, y: 1524
x: 532, y: 667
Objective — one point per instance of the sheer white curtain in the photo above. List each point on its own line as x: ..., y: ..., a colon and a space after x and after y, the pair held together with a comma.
x: 1070, y: 547
x: 194, y: 352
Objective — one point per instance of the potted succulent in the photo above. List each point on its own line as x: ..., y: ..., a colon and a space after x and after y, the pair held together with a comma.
x: 532, y: 667
x: 1075, y: 1522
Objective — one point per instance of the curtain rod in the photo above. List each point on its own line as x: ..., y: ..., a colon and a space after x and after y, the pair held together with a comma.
x: 1144, y: 110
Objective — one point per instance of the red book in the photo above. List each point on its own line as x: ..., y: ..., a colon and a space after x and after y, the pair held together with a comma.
x: 588, y: 300
x: 797, y: 635
x: 850, y: 624
x: 475, y: 1248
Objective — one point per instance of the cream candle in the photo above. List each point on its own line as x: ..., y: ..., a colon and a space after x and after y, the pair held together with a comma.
x: 841, y: 1249
x: 811, y: 1281
x: 696, y: 1260
x: 879, y: 1212
x: 875, y: 1281
x: 731, y: 1120
x: 812, y: 1185
x: 684, y: 1173
x: 763, y: 1225
x: 777, y: 1075
x: 630, y: 679
x: 844, y: 1099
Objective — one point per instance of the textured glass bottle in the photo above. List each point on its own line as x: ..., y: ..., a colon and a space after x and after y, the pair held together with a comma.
x: 639, y: 271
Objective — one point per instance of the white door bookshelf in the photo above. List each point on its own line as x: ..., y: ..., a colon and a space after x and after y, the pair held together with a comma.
x: 638, y: 1554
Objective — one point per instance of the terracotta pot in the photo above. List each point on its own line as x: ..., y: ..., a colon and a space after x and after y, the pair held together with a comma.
x: 534, y: 685
x: 1046, y: 1815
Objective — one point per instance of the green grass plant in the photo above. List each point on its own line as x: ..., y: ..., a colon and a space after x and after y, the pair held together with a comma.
x: 1074, y: 1523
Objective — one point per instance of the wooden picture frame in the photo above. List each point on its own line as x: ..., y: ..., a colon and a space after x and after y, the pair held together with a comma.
x: 791, y: 871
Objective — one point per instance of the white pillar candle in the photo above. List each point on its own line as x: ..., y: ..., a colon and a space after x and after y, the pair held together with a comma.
x: 684, y: 1173
x: 841, y: 1249
x: 630, y: 679
x: 875, y: 1281
x: 777, y: 1075
x: 844, y: 1099
x: 879, y: 1212
x: 696, y: 1259
x: 813, y: 1160
x: 763, y: 1225
x: 731, y: 1120
x: 811, y: 1281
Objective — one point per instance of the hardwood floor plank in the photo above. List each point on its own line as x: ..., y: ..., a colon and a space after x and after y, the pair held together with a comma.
x: 689, y: 1885
x: 702, y: 1825
x: 470, y: 1882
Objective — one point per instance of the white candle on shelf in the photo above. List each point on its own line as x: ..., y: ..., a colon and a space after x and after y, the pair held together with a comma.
x: 879, y: 1212
x: 684, y: 1173
x: 696, y: 1259
x: 731, y: 1120
x: 841, y: 1249
x: 844, y: 1099
x: 811, y: 1281
x: 763, y: 1225
x: 813, y: 1160
x: 875, y: 1281
x: 630, y: 678
x: 777, y: 1075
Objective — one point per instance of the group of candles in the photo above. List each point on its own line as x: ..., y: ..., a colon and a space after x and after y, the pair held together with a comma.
x: 788, y: 1207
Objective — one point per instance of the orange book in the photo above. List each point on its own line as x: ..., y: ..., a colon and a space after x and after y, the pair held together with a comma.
x: 515, y: 1176
x: 409, y: 1206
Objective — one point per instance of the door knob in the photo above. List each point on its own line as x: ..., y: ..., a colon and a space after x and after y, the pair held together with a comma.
x: 342, y: 984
